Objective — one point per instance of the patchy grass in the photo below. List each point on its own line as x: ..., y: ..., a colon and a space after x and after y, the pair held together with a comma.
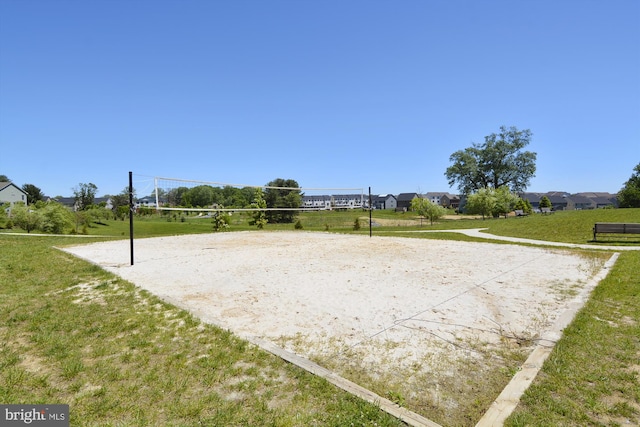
x: 452, y: 388
x: 592, y: 377
x: 72, y: 333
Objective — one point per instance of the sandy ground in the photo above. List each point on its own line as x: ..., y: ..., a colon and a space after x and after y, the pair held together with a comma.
x: 388, y: 302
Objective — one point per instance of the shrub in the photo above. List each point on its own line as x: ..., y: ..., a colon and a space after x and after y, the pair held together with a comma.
x: 220, y: 221
x: 356, y: 224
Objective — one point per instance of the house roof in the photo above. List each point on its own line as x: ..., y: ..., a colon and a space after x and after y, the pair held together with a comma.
x: 406, y: 196
x: 581, y: 199
x: 6, y: 184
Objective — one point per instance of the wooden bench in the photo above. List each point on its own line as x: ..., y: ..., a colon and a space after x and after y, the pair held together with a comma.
x: 615, y: 228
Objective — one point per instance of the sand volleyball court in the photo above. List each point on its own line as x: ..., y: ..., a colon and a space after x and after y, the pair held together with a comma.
x: 410, y: 318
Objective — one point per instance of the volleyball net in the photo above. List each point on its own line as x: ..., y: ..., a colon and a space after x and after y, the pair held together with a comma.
x: 175, y: 194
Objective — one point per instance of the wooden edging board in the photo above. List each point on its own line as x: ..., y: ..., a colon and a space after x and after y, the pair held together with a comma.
x: 507, y: 401
x: 409, y: 417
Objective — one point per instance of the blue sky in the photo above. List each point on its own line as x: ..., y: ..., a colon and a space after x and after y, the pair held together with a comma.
x: 329, y: 93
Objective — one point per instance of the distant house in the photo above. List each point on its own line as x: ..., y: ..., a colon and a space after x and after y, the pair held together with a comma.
x: 146, y: 202
x: 316, y: 202
x: 450, y: 201
x: 69, y: 202
x: 559, y: 200
x: 443, y: 199
x: 384, y: 201
x: 404, y: 201
x: 72, y: 203
x: 599, y: 199
x: 335, y: 201
x: 579, y: 202
x: 11, y: 193
x: 348, y: 201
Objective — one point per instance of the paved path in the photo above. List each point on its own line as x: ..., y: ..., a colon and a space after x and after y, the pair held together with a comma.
x: 478, y: 232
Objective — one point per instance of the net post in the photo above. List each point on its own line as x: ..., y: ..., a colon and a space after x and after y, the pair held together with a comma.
x: 131, y: 208
x: 155, y: 184
x: 370, y: 209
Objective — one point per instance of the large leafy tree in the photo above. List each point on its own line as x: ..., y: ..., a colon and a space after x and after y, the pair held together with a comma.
x: 288, y: 195
x: 175, y: 196
x: 84, y: 195
x: 629, y: 195
x: 201, y: 196
x: 497, y: 162
x: 34, y: 194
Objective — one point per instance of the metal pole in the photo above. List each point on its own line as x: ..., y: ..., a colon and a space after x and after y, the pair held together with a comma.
x: 370, y: 209
x: 131, y: 210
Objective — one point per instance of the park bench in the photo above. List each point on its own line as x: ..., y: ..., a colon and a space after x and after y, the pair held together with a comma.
x: 615, y: 228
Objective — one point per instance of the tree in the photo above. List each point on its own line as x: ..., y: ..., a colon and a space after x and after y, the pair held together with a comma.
x: 84, y: 194
x: 220, y: 221
x: 505, y: 201
x: 175, y: 196
x: 55, y: 218
x: 4, y: 208
x: 120, y: 203
x: 24, y: 217
x: 200, y: 196
x: 544, y: 202
x: 34, y: 194
x: 287, y: 196
x: 4, y: 178
x: 524, y: 205
x: 259, y: 217
x: 427, y: 209
x: 497, y: 162
x: 629, y: 195
x: 482, y: 202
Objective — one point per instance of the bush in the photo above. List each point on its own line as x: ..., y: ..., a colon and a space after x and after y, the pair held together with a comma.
x: 220, y: 221
x: 298, y: 225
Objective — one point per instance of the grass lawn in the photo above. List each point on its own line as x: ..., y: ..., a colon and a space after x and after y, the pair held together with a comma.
x: 592, y: 377
x: 72, y: 333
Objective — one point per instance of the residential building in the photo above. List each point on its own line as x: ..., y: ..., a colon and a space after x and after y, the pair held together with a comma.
x: 450, y: 201
x: 11, y: 193
x: 384, y: 201
x: 404, y: 201
x: 335, y: 201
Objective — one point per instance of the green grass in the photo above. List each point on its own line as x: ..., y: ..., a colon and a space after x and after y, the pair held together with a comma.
x: 72, y: 333
x: 592, y: 377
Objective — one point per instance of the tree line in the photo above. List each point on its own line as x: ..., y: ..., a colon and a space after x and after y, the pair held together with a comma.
x: 489, y: 175
x: 53, y: 217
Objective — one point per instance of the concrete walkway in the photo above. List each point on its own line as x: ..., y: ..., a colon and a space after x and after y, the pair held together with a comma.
x: 478, y: 232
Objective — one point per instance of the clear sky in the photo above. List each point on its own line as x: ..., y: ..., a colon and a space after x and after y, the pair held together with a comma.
x: 330, y: 93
